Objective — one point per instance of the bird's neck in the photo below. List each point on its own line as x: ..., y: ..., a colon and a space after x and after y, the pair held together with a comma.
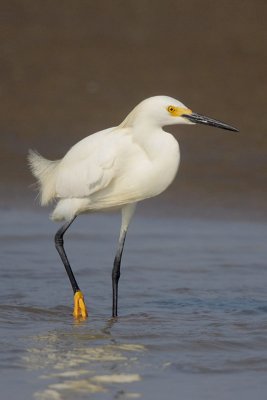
x: 146, y: 132
x: 149, y: 137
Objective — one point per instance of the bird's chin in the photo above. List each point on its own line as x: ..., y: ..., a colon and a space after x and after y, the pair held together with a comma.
x: 178, y: 121
x: 186, y: 121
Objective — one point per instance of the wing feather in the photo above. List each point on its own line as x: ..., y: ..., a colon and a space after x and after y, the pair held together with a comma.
x: 87, y: 168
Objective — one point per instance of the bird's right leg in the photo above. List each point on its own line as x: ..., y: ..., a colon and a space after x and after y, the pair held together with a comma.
x: 79, y: 304
x: 127, y: 214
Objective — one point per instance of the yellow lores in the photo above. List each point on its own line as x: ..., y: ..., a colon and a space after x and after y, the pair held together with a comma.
x: 179, y: 111
x: 114, y: 169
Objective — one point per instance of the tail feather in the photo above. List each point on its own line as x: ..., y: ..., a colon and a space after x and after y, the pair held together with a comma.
x: 45, y: 171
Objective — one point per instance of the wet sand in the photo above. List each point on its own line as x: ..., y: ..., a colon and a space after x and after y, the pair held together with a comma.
x: 192, y: 309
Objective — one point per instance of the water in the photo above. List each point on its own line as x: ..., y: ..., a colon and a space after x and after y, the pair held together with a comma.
x: 193, y: 310
x: 193, y: 303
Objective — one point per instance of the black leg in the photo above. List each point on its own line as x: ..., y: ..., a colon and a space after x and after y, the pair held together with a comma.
x: 80, y: 310
x: 59, y: 242
x: 116, y: 274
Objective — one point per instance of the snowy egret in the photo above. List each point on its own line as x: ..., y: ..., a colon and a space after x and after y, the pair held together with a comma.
x: 114, y: 169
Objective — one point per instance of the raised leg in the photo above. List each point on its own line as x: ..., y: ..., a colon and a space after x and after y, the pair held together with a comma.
x: 127, y: 213
x: 79, y: 304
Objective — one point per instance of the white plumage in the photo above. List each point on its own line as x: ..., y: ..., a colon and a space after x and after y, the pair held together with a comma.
x: 115, y: 168
x: 112, y: 167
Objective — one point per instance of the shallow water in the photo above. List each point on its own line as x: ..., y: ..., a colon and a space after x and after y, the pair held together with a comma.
x: 193, y: 310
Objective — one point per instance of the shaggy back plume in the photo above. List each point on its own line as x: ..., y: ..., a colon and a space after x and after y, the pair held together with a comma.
x: 45, y: 171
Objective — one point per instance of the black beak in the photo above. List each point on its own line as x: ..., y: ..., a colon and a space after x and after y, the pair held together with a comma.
x: 201, y: 119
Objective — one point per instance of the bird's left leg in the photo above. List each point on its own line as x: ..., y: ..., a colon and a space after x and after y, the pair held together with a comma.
x: 79, y: 304
x: 127, y: 213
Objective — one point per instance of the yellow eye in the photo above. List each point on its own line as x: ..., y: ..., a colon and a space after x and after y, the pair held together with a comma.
x: 171, y: 109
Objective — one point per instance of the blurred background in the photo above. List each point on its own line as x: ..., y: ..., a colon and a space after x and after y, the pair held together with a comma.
x: 71, y: 68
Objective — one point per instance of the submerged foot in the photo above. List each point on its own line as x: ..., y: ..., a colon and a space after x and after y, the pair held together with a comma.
x: 80, y: 310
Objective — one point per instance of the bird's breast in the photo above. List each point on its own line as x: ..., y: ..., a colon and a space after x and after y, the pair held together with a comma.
x: 166, y: 164
x: 160, y: 168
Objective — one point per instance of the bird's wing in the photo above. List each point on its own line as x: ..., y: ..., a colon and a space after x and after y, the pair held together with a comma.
x: 87, y: 168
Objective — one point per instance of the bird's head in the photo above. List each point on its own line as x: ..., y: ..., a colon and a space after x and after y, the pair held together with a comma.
x: 164, y: 110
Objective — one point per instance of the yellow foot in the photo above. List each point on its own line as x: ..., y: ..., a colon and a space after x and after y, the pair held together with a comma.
x: 80, y: 310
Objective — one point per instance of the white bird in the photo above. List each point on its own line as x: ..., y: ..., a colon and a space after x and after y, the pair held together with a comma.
x: 114, y: 169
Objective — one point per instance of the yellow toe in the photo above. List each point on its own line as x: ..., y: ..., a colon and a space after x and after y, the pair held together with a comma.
x: 80, y: 310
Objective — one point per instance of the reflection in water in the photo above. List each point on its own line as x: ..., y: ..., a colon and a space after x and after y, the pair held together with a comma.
x: 193, y: 312
x: 75, y: 367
